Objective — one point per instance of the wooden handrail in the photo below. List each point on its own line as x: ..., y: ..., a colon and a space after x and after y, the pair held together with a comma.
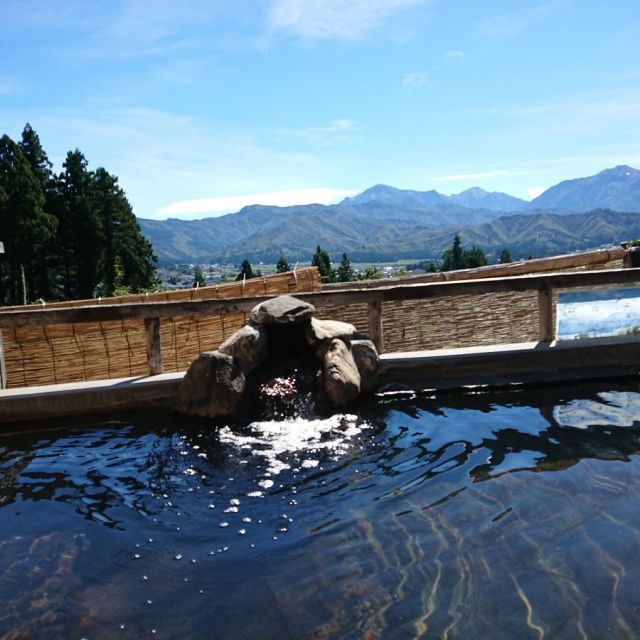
x: 521, y: 267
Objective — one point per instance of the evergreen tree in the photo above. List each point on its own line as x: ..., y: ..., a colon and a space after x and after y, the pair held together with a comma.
x: 127, y: 261
x: 246, y: 272
x: 505, y: 257
x: 44, y: 278
x: 81, y: 232
x: 282, y: 266
x: 322, y: 260
x: 370, y: 273
x: 473, y: 257
x: 457, y: 258
x: 24, y: 225
x: 198, y: 278
x: 345, y: 271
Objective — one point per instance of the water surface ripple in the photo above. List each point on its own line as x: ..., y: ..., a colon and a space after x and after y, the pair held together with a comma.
x: 480, y: 515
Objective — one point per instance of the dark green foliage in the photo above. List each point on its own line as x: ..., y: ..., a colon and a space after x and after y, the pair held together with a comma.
x: 282, y: 266
x: 198, y: 278
x: 457, y: 258
x: 74, y: 234
x: 345, y: 271
x: 24, y: 226
x: 505, y: 257
x: 322, y: 260
x: 370, y: 273
x: 246, y: 271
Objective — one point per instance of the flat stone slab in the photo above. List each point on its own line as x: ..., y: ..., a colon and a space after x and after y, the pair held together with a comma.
x: 320, y: 330
x: 282, y: 310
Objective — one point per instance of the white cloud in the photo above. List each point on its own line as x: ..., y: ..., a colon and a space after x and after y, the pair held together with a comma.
x: 228, y: 204
x: 534, y: 192
x: 348, y: 20
x: 162, y: 157
x: 454, y: 53
x: 415, y: 80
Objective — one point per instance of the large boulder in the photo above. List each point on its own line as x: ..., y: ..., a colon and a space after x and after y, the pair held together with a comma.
x: 248, y: 344
x: 367, y: 360
x: 321, y: 330
x: 212, y: 387
x: 282, y: 310
x: 340, y: 374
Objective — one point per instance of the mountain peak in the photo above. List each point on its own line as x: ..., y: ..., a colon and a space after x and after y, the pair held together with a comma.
x: 617, y: 188
x: 622, y: 171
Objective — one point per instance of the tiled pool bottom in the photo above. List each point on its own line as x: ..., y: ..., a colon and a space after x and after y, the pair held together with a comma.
x: 494, y: 515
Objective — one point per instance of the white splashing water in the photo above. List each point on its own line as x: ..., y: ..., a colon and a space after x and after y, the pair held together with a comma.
x: 279, y: 442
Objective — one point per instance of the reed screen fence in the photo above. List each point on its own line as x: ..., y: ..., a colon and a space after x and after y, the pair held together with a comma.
x: 72, y: 352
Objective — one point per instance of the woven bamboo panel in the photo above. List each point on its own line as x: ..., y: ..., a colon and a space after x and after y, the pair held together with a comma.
x: 458, y: 321
x: 94, y: 351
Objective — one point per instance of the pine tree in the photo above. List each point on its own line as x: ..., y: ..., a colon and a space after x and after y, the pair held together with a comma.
x: 246, y: 272
x: 25, y: 226
x: 123, y: 245
x: 322, y: 261
x: 505, y: 257
x: 345, y: 271
x: 457, y: 258
x: 282, y: 266
x: 81, y: 233
x: 44, y: 276
x: 198, y: 278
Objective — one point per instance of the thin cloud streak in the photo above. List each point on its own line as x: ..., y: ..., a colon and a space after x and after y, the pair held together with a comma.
x: 228, y: 204
x: 324, y: 19
x: 415, y: 80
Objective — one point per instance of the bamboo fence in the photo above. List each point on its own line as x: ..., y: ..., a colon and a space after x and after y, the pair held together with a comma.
x: 37, y: 355
x: 100, y: 350
x: 468, y: 320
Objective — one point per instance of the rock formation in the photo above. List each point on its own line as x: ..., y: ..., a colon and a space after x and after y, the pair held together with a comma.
x: 282, y: 356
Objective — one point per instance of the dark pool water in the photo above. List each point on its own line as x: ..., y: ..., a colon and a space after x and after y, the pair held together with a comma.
x: 486, y: 515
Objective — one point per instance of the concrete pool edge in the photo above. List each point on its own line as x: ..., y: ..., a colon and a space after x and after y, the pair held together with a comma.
x: 496, y: 365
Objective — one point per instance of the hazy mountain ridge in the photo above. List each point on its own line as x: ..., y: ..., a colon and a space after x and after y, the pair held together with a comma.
x: 384, y: 223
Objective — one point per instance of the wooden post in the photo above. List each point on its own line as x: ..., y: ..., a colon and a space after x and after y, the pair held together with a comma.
x: 3, y: 368
x: 375, y: 324
x: 545, y: 310
x: 154, y: 345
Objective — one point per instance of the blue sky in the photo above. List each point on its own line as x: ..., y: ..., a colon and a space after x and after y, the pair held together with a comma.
x: 202, y: 106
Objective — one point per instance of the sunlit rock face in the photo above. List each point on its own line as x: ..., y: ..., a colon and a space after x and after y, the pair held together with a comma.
x: 283, y: 363
x: 212, y: 387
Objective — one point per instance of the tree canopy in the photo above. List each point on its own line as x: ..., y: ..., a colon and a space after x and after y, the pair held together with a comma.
x: 282, y: 266
x: 322, y: 260
x: 459, y: 258
x: 66, y: 236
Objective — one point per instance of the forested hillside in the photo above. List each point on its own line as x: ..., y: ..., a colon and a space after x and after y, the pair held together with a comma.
x: 69, y: 235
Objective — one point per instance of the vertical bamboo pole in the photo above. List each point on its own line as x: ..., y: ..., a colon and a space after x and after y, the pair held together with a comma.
x: 3, y: 368
x: 545, y: 310
x: 154, y: 345
x: 375, y: 324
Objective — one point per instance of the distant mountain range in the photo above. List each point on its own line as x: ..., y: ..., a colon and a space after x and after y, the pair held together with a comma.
x: 385, y: 223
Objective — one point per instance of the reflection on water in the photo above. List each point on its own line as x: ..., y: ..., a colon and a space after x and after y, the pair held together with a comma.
x: 501, y: 515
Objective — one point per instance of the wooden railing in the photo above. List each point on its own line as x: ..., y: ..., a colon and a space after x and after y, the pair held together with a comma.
x: 152, y: 312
